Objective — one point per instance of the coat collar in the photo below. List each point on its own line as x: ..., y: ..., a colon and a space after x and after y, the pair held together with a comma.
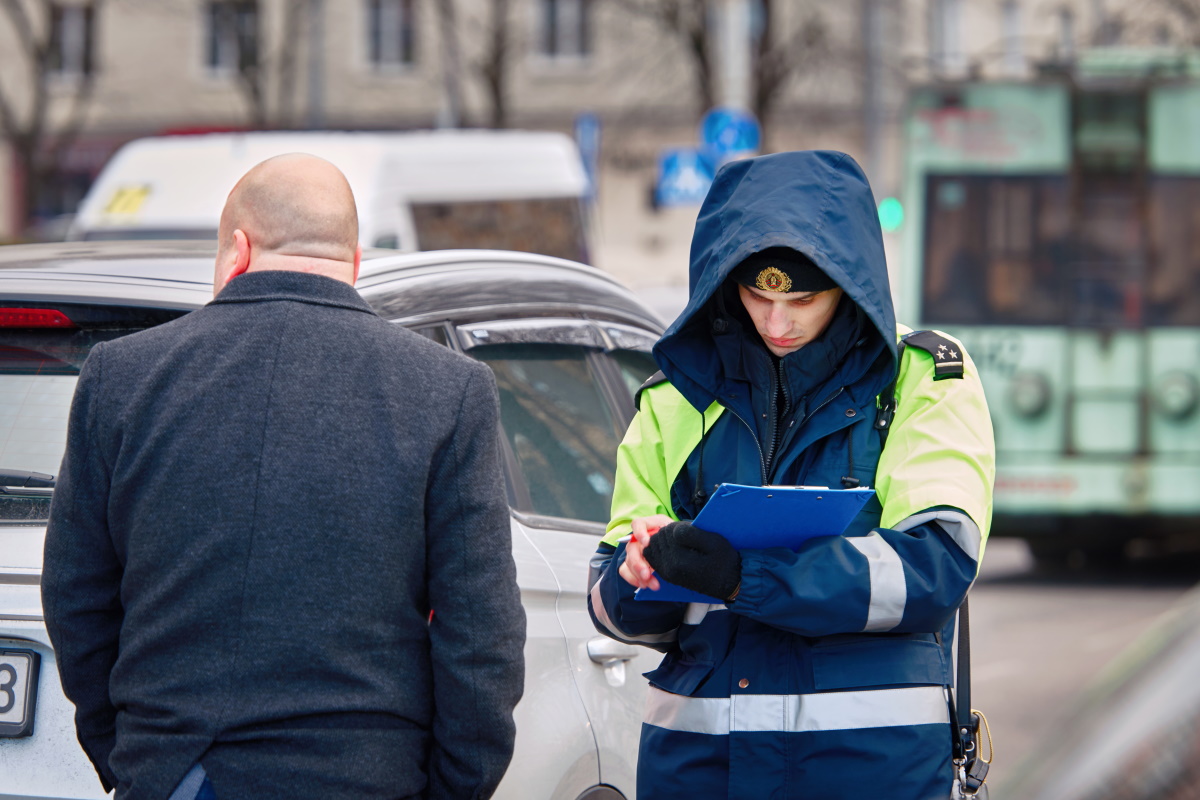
x: 302, y: 287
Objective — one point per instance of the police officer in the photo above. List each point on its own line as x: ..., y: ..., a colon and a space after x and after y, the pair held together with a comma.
x: 824, y: 672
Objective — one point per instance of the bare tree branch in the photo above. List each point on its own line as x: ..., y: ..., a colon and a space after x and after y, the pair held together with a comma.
x: 688, y: 21
x: 40, y: 160
x: 23, y: 27
x: 493, y: 66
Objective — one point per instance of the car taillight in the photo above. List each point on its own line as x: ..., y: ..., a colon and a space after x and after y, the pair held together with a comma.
x: 34, y: 318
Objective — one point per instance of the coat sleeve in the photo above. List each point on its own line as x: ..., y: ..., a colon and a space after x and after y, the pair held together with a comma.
x: 81, y: 575
x: 477, y: 633
x: 934, y: 481
x: 642, y: 488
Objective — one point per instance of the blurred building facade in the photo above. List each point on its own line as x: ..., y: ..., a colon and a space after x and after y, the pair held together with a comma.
x: 80, y: 77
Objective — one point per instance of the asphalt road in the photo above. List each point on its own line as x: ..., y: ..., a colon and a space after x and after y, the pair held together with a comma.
x: 1038, y: 638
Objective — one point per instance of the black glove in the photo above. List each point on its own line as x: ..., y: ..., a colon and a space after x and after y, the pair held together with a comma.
x: 696, y: 559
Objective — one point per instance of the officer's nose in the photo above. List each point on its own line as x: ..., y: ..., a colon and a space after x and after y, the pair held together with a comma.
x: 778, y: 323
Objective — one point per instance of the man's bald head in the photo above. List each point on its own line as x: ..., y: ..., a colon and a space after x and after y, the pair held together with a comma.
x: 293, y: 212
x: 293, y: 205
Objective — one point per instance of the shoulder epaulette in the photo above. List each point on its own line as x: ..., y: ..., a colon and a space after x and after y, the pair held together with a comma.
x: 653, y: 380
x: 947, y: 354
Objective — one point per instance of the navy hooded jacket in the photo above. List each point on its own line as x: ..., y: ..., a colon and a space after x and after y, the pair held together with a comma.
x: 832, y: 659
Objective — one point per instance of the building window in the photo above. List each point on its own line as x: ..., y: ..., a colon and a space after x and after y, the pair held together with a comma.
x: 231, y: 35
x: 1014, y: 43
x: 72, y: 32
x: 391, y: 33
x: 566, y: 28
x: 945, y: 37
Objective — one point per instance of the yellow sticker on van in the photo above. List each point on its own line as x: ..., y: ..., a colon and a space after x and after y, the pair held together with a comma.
x: 127, y: 200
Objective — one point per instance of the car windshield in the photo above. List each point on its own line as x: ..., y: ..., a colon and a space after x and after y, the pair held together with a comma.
x: 38, y: 373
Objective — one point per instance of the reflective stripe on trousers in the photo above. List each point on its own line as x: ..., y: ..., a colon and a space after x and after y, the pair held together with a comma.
x: 797, y: 713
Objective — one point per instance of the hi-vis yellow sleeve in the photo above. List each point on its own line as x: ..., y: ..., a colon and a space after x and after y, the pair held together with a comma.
x: 941, y: 451
x: 655, y: 448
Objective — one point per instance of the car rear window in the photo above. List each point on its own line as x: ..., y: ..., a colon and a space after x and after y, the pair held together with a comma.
x: 38, y: 372
x: 561, y: 431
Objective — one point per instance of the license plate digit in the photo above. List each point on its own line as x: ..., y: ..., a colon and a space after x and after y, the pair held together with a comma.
x: 18, y: 691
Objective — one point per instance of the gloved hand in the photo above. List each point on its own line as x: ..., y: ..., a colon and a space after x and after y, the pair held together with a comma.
x: 696, y: 559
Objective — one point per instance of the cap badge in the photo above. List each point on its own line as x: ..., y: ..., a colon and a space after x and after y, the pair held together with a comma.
x: 773, y: 279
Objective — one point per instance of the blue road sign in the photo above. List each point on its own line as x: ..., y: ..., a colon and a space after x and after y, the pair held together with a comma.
x: 684, y: 177
x: 587, y: 138
x: 728, y: 133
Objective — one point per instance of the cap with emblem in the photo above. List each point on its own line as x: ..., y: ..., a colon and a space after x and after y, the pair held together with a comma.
x: 782, y: 269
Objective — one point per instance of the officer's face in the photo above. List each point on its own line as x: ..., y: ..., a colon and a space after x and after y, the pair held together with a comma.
x: 787, y: 321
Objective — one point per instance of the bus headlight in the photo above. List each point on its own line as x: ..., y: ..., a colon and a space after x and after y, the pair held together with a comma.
x: 1029, y: 393
x: 1177, y: 395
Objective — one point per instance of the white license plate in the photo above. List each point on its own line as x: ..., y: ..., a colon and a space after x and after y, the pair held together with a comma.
x: 18, y: 691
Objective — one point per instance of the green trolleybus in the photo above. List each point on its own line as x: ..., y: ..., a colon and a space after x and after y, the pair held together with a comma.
x: 1054, y: 227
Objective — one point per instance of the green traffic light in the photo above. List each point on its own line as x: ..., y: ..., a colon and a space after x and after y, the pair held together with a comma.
x: 891, y: 214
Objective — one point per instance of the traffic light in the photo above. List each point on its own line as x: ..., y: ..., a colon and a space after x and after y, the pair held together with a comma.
x: 891, y: 214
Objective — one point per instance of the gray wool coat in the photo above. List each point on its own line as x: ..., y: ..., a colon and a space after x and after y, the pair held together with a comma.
x: 258, y: 507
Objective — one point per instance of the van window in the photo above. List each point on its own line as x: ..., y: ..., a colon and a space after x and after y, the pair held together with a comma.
x: 562, y: 433
x: 551, y: 227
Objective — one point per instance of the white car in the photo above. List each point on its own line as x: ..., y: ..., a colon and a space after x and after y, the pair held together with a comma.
x: 569, y: 346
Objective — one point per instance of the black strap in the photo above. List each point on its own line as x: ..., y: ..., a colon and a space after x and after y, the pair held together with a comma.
x: 962, y: 686
x: 965, y: 721
x: 887, y: 399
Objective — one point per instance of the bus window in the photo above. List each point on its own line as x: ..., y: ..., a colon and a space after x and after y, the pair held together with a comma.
x: 551, y: 227
x: 994, y: 247
x: 1173, y: 289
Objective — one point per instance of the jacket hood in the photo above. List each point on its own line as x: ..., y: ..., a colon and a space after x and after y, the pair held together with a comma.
x: 816, y: 202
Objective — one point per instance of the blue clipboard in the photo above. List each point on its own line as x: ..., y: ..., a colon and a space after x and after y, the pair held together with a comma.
x: 759, y: 517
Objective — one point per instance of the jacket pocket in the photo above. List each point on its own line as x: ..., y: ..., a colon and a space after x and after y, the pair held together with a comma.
x: 879, y: 662
x: 677, y: 676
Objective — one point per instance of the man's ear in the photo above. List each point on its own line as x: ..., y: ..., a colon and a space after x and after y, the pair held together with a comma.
x: 357, y: 264
x: 241, y: 255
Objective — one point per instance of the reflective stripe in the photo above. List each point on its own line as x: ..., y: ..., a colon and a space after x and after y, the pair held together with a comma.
x: 601, y: 615
x: 798, y: 713
x: 696, y: 612
x: 957, y: 525
x: 888, y: 589
x: 596, y: 567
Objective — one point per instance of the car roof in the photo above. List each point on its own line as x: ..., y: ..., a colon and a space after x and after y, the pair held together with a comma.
x: 406, y: 287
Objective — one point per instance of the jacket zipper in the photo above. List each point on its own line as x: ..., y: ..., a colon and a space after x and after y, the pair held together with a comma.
x: 773, y: 418
x: 824, y: 403
x: 762, y: 461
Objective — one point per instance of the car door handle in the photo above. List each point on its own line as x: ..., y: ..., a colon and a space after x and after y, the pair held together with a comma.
x: 607, y: 651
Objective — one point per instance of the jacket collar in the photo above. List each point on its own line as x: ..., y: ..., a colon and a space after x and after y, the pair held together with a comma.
x: 302, y: 287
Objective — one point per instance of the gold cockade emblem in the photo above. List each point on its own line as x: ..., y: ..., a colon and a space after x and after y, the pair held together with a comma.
x: 773, y: 279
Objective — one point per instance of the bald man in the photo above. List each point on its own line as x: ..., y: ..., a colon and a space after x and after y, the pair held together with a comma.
x: 258, y: 506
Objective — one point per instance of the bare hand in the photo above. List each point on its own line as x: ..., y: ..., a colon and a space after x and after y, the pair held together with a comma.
x: 636, y: 570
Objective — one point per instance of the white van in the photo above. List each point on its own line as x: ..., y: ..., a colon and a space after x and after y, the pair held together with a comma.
x: 420, y: 190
